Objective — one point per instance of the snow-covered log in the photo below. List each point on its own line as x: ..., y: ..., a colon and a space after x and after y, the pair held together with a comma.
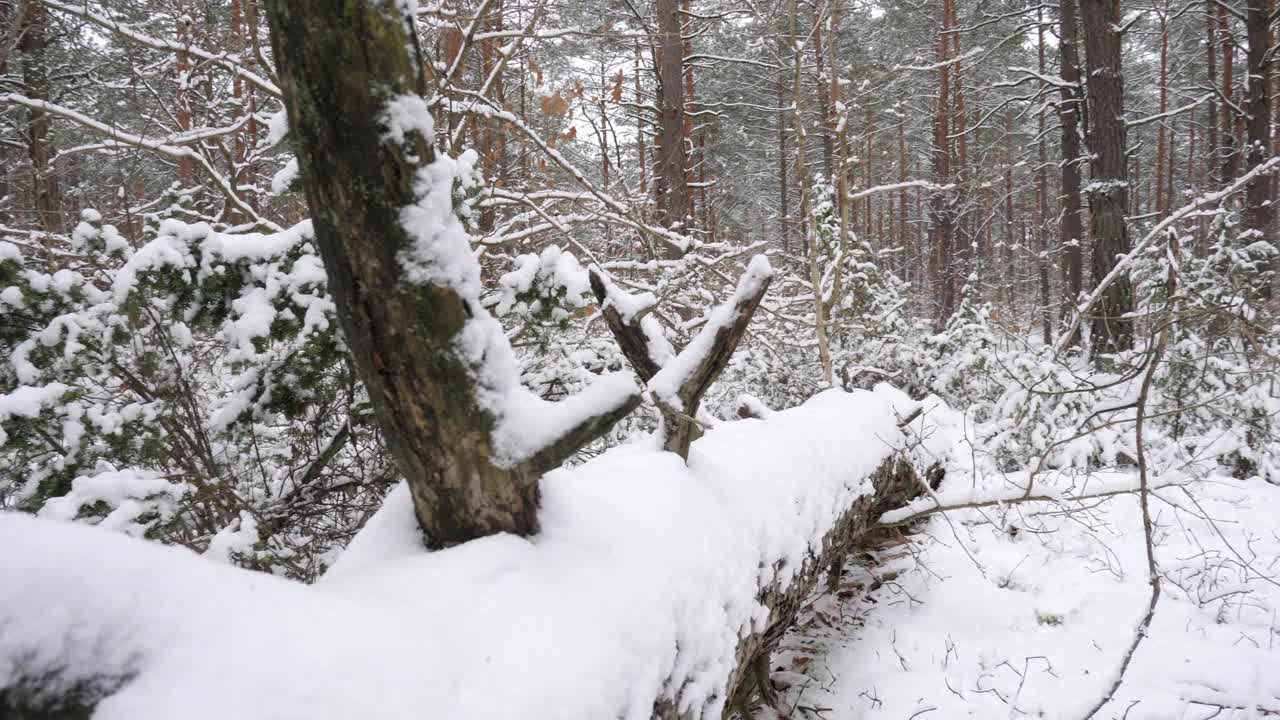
x: 655, y: 588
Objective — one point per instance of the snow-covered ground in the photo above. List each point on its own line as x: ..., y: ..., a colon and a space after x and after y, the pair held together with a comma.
x: 1028, y: 611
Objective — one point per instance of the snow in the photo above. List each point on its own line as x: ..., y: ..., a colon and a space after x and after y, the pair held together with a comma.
x: 546, y: 275
x: 528, y: 423
x: 1027, y: 610
x: 12, y: 296
x: 238, y: 537
x: 130, y: 494
x: 627, y: 304
x: 407, y: 114
x: 440, y: 252
x: 28, y: 401
x: 277, y: 128
x: 285, y: 177
x: 642, y: 579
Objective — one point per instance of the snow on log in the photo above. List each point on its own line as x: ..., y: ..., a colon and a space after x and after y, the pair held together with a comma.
x: 655, y: 588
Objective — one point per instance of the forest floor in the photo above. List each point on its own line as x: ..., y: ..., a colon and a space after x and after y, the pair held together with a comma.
x: 1029, y: 610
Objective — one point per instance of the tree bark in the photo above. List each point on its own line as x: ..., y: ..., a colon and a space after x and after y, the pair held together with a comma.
x: 1109, y: 186
x: 1259, y: 210
x: 784, y: 225
x: 1042, y: 204
x: 1211, y: 65
x: 640, y: 128
x: 1162, y: 205
x: 671, y: 181
x: 182, y: 113
x: 1070, y: 110
x: 35, y: 81
x: 341, y: 62
x: 941, y: 253
x: 1228, y: 155
x: 825, y: 104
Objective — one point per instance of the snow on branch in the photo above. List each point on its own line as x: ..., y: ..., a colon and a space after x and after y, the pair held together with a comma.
x: 1066, y: 339
x: 686, y: 376
x: 227, y: 62
x: 922, y: 184
x: 677, y: 382
x: 1036, y: 491
x: 161, y: 146
x: 946, y: 63
x: 1176, y: 111
x: 628, y: 318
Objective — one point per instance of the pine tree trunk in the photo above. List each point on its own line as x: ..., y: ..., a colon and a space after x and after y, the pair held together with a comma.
x: 1228, y: 155
x: 1211, y: 64
x: 941, y: 253
x: 1162, y: 205
x: 35, y: 84
x: 672, y: 161
x: 1109, y: 186
x: 1042, y: 206
x: 825, y: 104
x: 1259, y: 211
x: 182, y: 113
x: 784, y: 220
x: 1071, y: 109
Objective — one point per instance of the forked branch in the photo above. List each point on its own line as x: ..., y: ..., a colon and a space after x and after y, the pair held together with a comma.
x: 677, y: 383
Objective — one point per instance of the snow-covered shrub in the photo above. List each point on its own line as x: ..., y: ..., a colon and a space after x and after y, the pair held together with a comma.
x: 1051, y: 414
x: 1216, y: 394
x: 171, y: 387
x: 542, y: 292
x: 959, y: 363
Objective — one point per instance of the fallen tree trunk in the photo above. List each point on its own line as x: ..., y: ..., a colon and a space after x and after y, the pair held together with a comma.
x: 896, y: 483
x: 656, y: 589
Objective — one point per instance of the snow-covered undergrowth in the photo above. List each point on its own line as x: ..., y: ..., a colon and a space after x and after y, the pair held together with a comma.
x: 640, y: 583
x: 1027, y: 610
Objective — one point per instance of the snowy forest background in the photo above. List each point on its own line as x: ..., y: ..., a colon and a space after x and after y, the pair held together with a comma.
x: 1049, y: 226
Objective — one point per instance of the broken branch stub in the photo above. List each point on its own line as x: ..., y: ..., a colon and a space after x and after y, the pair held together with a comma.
x: 678, y: 383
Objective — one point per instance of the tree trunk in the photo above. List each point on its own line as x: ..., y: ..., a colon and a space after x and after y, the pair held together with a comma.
x: 1109, y: 189
x: 640, y: 129
x: 784, y: 226
x: 825, y: 103
x: 1228, y: 155
x: 1070, y: 110
x: 895, y: 483
x: 341, y: 63
x: 810, y: 237
x: 941, y: 270
x: 1162, y: 205
x: 962, y: 242
x: 35, y: 81
x: 182, y: 113
x: 1211, y: 64
x: 1259, y: 211
x: 1042, y: 206
x: 671, y: 181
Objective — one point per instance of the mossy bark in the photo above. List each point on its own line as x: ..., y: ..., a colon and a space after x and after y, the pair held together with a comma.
x: 340, y: 62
